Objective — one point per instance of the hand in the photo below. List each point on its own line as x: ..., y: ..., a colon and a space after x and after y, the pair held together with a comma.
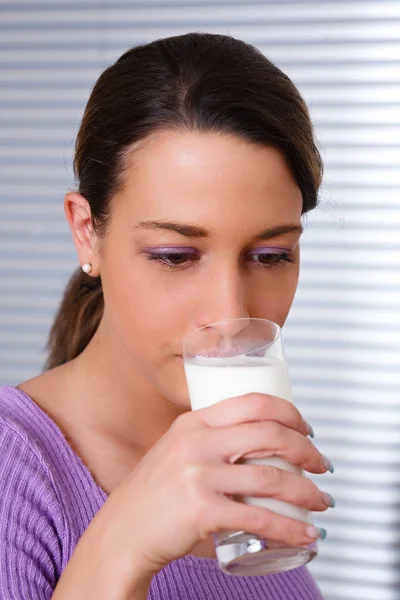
x: 180, y: 491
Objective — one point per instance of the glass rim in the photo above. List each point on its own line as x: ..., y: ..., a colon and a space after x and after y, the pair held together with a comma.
x: 277, y: 336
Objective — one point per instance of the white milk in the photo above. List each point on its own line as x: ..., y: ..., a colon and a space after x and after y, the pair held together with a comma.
x: 211, y: 380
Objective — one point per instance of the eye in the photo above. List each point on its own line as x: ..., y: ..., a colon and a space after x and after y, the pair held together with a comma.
x: 173, y: 259
x: 269, y: 258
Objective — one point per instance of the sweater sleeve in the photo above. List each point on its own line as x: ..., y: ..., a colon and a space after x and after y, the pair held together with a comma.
x: 30, y: 520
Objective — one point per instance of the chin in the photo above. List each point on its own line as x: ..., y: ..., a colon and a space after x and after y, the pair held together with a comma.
x: 174, y: 388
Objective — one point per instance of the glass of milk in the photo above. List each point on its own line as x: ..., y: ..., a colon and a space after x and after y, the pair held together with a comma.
x: 227, y: 359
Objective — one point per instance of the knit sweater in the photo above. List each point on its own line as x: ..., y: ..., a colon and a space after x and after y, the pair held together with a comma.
x: 48, y: 498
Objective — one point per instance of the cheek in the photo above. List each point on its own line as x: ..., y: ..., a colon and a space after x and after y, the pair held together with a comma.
x: 143, y: 307
x: 273, y: 296
x: 288, y: 294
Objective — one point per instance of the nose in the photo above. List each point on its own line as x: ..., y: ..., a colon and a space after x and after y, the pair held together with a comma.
x: 223, y: 303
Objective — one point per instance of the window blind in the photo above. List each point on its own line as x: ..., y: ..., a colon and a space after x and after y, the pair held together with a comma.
x: 343, y: 333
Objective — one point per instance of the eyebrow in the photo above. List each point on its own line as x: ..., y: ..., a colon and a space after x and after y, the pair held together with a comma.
x: 186, y: 230
x: 193, y: 231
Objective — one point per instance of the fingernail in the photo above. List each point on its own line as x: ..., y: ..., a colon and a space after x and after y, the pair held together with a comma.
x: 327, y: 464
x: 309, y: 429
x: 316, y: 533
x: 328, y: 500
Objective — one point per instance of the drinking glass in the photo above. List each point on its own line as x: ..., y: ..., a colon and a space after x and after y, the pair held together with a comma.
x: 231, y: 358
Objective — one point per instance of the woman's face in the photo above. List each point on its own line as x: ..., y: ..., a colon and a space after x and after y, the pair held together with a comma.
x: 205, y: 228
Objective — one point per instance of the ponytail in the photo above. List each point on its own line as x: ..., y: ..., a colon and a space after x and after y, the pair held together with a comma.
x: 77, y: 319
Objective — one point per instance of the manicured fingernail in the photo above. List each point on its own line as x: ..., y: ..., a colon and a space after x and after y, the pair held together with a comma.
x: 327, y: 464
x: 309, y: 429
x: 328, y: 500
x: 316, y: 533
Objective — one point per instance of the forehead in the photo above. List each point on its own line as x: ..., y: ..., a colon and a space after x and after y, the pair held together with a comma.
x: 196, y: 176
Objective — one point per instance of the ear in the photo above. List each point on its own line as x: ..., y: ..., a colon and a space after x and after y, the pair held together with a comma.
x: 79, y: 217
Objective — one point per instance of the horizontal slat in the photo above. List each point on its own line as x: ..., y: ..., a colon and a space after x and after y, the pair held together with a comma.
x: 343, y: 396
x: 388, y: 52
x: 352, y: 176
x: 363, y: 456
x: 39, y: 248
x: 327, y: 355
x: 269, y: 12
x: 364, y: 157
x: 361, y: 114
x: 20, y: 340
x: 370, y: 495
x: 332, y: 134
x: 334, y: 589
x: 23, y: 320
x: 360, y: 257
x: 120, y: 4
x: 38, y: 209
x: 353, y: 115
x: 52, y: 225
x: 319, y: 93
x: 385, y: 577
x: 362, y: 516
x: 315, y: 272
x: 351, y: 414
x: 37, y: 264
x: 48, y: 284
x: 363, y: 316
x: 31, y: 304
x: 351, y: 532
x: 350, y: 298
x: 10, y: 357
x: 299, y: 73
x: 126, y: 36
x: 361, y: 556
x: 37, y: 134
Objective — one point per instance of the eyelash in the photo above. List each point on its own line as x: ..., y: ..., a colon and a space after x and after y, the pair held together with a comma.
x: 163, y: 258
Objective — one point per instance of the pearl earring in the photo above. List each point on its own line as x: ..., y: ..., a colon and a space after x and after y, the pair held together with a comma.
x: 87, y: 268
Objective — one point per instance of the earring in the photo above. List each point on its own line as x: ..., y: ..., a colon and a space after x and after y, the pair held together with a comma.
x: 87, y: 268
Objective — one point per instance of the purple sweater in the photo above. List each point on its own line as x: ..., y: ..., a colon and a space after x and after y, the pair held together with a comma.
x: 47, y: 499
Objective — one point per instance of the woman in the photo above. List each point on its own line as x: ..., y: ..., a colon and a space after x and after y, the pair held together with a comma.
x: 195, y: 160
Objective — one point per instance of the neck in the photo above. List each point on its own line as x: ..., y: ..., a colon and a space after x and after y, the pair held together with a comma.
x: 114, y: 399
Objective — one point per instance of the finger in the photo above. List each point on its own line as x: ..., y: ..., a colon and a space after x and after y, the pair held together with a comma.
x: 263, y: 481
x: 250, y: 408
x: 263, y: 439
x: 235, y: 516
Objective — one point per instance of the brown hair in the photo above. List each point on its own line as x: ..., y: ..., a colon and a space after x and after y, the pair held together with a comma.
x: 194, y: 82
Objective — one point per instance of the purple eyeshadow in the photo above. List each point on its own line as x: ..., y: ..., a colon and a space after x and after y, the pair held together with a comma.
x: 270, y: 251
x: 171, y: 250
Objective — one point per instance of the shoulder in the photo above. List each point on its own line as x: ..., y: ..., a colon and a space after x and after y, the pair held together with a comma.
x: 47, y: 499
x: 36, y: 435
x: 21, y: 416
x: 32, y: 432
x: 24, y: 437
x: 32, y: 522
x: 37, y: 432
